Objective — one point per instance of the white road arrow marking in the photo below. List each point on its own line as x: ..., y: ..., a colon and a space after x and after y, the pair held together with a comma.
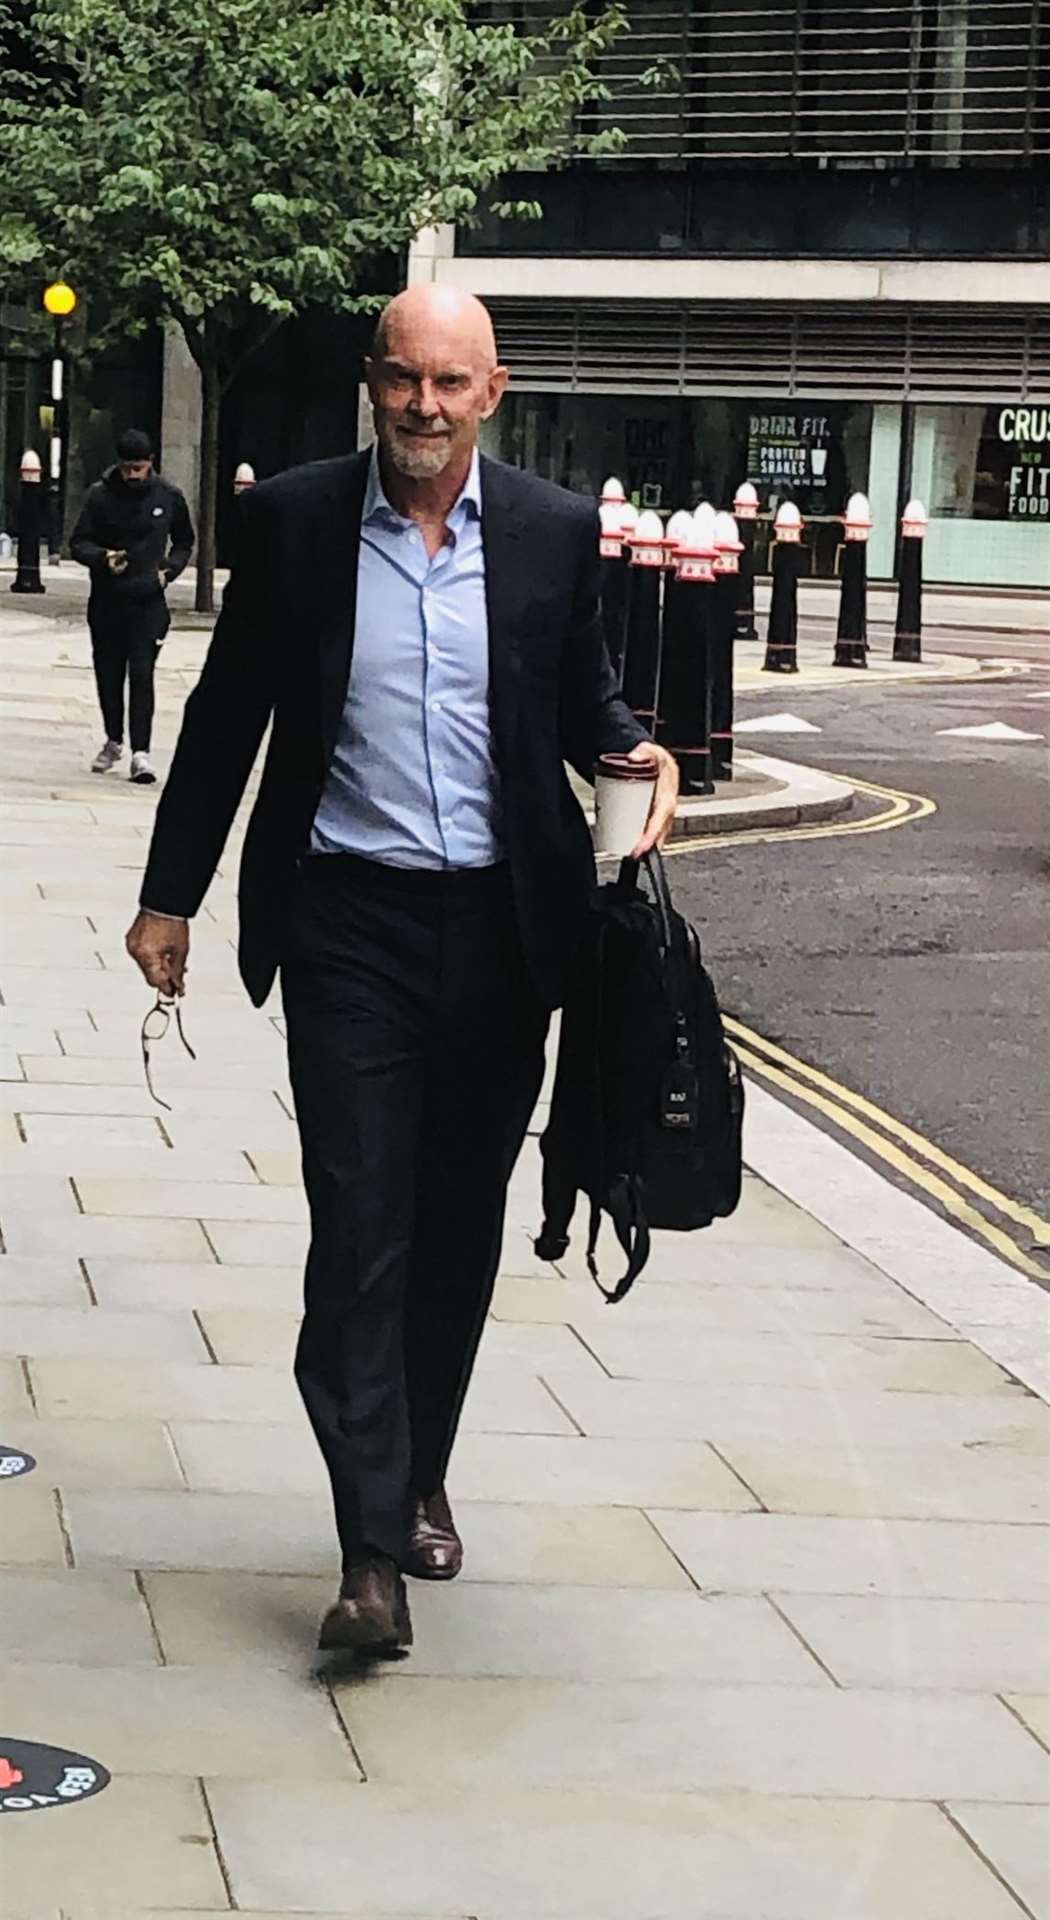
x: 993, y: 730
x: 776, y: 723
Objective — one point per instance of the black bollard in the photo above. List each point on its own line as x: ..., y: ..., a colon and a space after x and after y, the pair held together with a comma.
x: 684, y: 724
x: 728, y: 547
x: 851, y: 644
x: 782, y: 628
x: 907, y: 636
x: 745, y: 508
x: 641, y: 659
x: 612, y: 591
x: 31, y: 505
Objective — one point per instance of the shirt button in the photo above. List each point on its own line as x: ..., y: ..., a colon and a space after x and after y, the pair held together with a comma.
x: 435, y: 706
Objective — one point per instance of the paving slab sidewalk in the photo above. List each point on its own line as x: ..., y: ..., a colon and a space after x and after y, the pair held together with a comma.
x: 753, y: 1620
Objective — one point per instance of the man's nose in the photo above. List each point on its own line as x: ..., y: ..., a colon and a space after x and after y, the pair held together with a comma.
x: 426, y: 400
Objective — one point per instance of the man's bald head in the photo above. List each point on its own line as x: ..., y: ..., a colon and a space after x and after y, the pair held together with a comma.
x: 434, y: 311
x: 434, y: 376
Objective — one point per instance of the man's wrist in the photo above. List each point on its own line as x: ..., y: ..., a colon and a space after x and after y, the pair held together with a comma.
x: 156, y: 914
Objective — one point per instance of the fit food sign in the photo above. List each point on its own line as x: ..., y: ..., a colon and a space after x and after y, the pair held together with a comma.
x: 1025, y: 431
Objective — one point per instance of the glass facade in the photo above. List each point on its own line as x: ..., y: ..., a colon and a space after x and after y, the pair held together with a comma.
x: 675, y: 452
x: 983, y: 472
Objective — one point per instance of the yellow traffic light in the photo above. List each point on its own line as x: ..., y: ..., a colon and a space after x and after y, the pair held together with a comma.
x: 59, y: 299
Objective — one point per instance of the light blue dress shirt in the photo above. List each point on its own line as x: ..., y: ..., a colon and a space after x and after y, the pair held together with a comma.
x: 412, y: 781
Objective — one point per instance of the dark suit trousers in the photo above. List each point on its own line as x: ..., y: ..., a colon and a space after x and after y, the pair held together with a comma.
x: 415, y: 1043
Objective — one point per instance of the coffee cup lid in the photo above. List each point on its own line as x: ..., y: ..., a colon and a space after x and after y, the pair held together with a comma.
x: 616, y: 766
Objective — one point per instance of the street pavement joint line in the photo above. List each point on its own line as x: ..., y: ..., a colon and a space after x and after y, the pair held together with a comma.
x: 86, y: 1277
x: 67, y: 1541
x: 668, y: 1548
x: 174, y: 1446
x: 903, y: 808
x: 220, y: 1857
x: 803, y: 1642
x: 562, y: 1408
x: 912, y: 1170
x: 962, y: 1175
x: 140, y: 1586
x: 208, y: 1348
x: 964, y: 1834
x: 1022, y: 1722
x: 330, y: 1672
x: 737, y: 1475
x: 27, y: 1381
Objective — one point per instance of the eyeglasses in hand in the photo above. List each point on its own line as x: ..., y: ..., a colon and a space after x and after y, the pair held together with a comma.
x: 154, y: 1027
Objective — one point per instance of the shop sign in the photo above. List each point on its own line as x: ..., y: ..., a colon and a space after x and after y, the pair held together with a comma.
x: 33, y: 1777
x: 1026, y: 432
x: 788, y: 449
x: 13, y: 1463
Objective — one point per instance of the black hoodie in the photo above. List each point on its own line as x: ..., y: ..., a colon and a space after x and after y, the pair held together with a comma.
x: 152, y: 522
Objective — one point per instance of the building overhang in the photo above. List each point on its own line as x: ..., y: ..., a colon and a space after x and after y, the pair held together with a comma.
x: 869, y: 282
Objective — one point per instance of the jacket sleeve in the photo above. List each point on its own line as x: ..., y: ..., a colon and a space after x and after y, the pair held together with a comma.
x: 181, y: 539
x: 84, y: 543
x: 594, y: 718
x: 225, y: 718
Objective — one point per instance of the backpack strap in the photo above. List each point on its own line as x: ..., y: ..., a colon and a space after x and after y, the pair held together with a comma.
x: 624, y: 1205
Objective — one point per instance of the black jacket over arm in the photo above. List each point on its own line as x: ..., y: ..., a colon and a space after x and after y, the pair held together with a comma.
x: 282, y: 649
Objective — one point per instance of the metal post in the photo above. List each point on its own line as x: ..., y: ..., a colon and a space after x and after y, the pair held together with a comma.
x: 851, y: 644
x: 907, y: 637
x: 30, y: 516
x: 728, y: 548
x: 57, y: 445
x: 745, y: 508
x: 685, y: 682
x: 782, y: 629
x: 641, y: 665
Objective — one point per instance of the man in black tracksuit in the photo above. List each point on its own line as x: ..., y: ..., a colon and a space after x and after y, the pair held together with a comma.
x: 135, y: 534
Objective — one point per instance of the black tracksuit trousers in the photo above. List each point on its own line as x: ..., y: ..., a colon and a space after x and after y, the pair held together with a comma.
x: 117, y: 657
x: 415, y: 1043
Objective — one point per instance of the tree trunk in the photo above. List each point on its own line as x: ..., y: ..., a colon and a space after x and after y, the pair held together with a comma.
x: 211, y: 396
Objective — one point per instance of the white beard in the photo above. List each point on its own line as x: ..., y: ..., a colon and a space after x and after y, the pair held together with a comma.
x: 419, y: 459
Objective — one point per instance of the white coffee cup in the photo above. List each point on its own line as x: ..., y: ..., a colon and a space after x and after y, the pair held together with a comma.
x: 623, y: 793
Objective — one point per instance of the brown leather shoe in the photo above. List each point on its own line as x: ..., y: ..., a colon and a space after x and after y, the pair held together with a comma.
x: 371, y: 1614
x: 435, y: 1550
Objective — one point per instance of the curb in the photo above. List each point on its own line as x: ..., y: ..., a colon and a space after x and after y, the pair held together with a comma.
x: 803, y: 794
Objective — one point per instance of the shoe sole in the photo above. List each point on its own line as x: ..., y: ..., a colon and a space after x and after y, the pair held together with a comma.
x: 143, y: 779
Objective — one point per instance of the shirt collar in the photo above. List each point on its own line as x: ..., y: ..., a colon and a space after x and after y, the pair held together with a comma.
x: 377, y: 506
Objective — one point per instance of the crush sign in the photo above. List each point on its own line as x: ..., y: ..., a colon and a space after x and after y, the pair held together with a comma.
x: 33, y: 1777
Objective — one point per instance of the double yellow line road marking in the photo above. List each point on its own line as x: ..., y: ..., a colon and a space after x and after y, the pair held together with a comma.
x: 898, y: 810
x: 964, y: 1195
x: 955, y: 1187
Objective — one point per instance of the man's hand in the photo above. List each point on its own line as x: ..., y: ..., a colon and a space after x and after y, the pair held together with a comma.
x: 162, y: 576
x: 665, y: 796
x: 116, y: 559
x: 160, y: 948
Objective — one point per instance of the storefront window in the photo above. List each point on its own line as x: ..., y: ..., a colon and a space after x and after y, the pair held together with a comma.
x: 673, y: 452
x: 989, y: 463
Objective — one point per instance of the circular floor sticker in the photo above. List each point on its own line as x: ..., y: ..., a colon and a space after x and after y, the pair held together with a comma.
x: 13, y: 1462
x: 33, y: 1776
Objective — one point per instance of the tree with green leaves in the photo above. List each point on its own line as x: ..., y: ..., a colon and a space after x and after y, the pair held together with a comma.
x: 224, y: 166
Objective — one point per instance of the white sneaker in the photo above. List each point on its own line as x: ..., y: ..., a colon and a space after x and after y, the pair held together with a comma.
x: 107, y: 757
x: 141, y: 771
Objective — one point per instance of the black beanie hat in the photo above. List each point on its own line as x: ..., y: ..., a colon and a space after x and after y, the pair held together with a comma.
x: 134, y: 445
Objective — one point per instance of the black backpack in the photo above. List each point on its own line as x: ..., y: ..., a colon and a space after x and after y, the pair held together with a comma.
x: 647, y: 1109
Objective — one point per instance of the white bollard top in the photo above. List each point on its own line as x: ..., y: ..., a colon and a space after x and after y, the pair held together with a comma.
x: 244, y: 477
x: 914, y: 520
x: 788, y: 523
x: 30, y: 468
x: 858, y: 517
x: 647, y: 540
x: 745, y: 501
x: 613, y: 489
x: 727, y: 538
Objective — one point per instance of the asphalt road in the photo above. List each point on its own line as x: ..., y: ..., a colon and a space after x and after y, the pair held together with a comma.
x: 911, y: 965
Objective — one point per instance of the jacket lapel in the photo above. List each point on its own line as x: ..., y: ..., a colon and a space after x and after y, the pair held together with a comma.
x: 333, y: 560
x: 504, y: 544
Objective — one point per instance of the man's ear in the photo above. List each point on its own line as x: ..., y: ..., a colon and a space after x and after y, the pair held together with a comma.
x: 498, y: 379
